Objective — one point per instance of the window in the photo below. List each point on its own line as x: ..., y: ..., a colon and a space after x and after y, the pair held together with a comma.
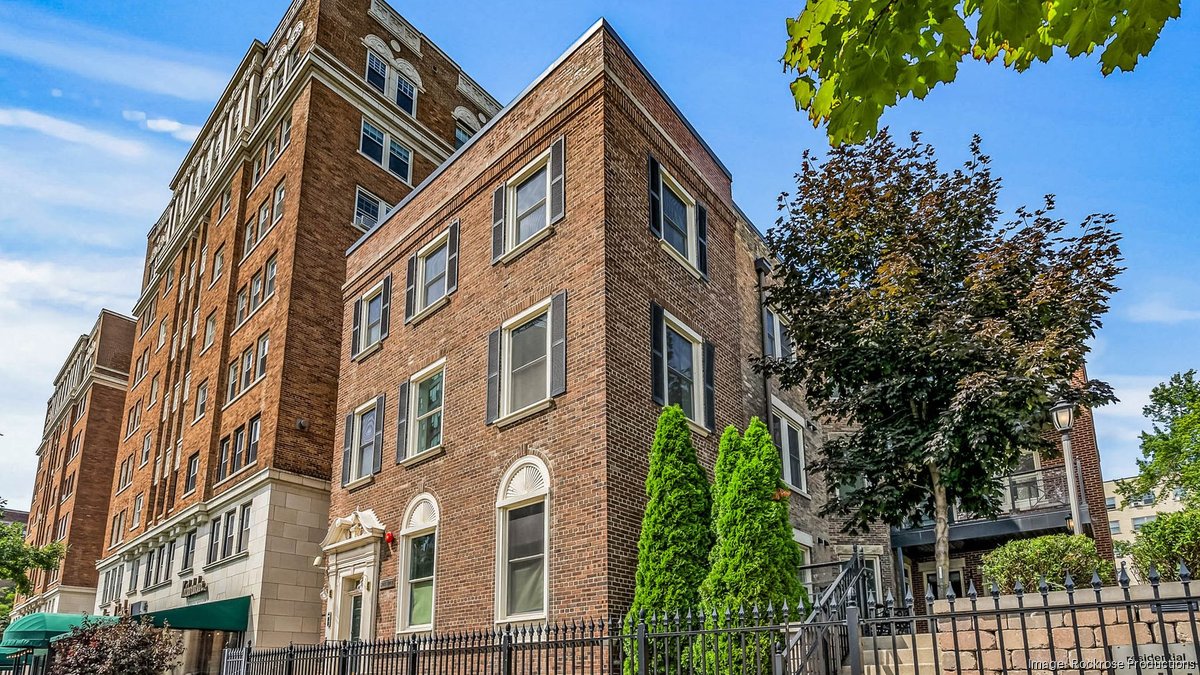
x: 243, y: 306
x: 461, y: 135
x: 135, y: 566
x: 232, y: 390
x: 406, y: 95
x: 214, y: 540
x: 417, y: 563
x: 255, y: 433
x: 956, y: 580
x: 1110, y: 503
x: 264, y: 342
x: 60, y: 529
x: 421, y: 408
x: 682, y: 363
x: 777, y: 342
x: 277, y: 207
x: 147, y: 448
x: 1114, y: 527
x: 376, y: 72
x: 230, y: 526
x: 432, y: 272
x: 218, y: 265
x: 523, y: 504
x: 226, y: 200
x: 369, y: 210
x: 138, y: 503
x: 244, y: 530
x: 364, y: 436
x: 250, y: 234
x: 247, y: 368
x: 162, y: 335
x: 256, y: 291
x: 527, y: 368
x: 201, y: 399
x: 1147, y: 499
x: 223, y: 460
x: 271, y: 268
x: 117, y: 533
x: 374, y: 141
x: 239, y: 448
x: 787, y: 432
x: 371, y: 317
x: 677, y: 220
x: 189, y: 551
x: 529, y: 207
x: 1139, y: 523
x: 125, y: 477
x: 193, y: 471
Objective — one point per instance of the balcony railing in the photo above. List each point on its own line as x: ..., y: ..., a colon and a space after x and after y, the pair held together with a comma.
x: 1043, y: 489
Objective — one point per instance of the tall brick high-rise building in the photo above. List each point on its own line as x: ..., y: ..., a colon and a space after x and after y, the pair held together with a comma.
x: 79, y: 444
x: 220, y: 496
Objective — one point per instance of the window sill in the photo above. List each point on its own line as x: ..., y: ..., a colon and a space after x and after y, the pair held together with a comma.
x: 520, y: 249
x: 243, y: 392
x: 359, y: 482
x: 249, y: 316
x: 361, y: 356
x: 415, y: 460
x: 155, y: 587
x: 382, y: 165
x: 185, y: 572
x: 225, y: 561
x: 523, y: 619
x: 193, y: 422
x: 698, y: 429
x: 415, y: 630
x: 528, y: 411
x: 235, y: 474
x: 800, y: 491
x: 687, y: 264
x: 428, y: 310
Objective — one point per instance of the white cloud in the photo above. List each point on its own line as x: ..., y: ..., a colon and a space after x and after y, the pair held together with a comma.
x: 69, y: 131
x: 163, y: 125
x: 1159, y: 309
x: 56, y: 92
x: 38, y: 38
x: 1119, y: 426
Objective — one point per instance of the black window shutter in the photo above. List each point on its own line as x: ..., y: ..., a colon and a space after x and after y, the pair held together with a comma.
x: 410, y: 289
x: 558, y: 344
x: 452, y: 259
x: 493, y: 377
x: 710, y: 411
x: 498, y: 223
x: 380, y: 409
x: 656, y: 226
x: 558, y: 180
x: 658, y: 371
x: 385, y: 307
x: 357, y: 330
x: 785, y: 341
x: 776, y: 434
x: 402, y: 423
x: 346, y: 448
x: 702, y: 239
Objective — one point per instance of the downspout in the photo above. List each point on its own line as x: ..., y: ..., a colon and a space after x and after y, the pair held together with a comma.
x: 761, y: 269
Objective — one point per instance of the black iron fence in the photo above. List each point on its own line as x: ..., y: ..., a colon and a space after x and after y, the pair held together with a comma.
x: 1086, y: 629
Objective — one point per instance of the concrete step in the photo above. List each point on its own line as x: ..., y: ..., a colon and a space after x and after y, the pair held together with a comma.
x: 891, y: 670
x: 881, y: 642
x: 885, y: 656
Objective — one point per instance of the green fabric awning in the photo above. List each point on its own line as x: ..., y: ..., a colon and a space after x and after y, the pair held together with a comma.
x: 35, y: 631
x: 230, y: 615
x: 8, y: 657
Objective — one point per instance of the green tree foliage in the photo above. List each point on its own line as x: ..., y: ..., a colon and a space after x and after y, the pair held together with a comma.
x: 1168, y: 540
x: 1171, y: 451
x: 939, y: 336
x: 729, y: 453
x: 1052, y: 556
x: 755, y: 560
x: 127, y: 647
x: 17, y: 558
x: 7, y: 596
x: 676, y: 534
x: 854, y: 58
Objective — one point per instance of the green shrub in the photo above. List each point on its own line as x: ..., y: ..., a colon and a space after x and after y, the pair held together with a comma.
x: 1051, y: 556
x: 1165, y: 542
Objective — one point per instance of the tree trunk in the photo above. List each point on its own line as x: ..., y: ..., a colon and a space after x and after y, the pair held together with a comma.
x: 941, y: 530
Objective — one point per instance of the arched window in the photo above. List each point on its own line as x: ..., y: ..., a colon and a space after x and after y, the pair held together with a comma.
x: 417, y: 563
x: 523, y: 510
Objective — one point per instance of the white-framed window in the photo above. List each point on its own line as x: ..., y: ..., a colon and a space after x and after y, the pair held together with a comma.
x: 261, y: 349
x: 271, y: 269
x: 787, y: 430
x: 117, y: 533
x: 777, y: 341
x: 423, y: 426
x: 956, y: 576
x: 369, y: 210
x: 243, y: 538
x: 528, y: 201
x: 193, y: 472
x: 147, y: 447
x: 201, y: 399
x: 218, y: 265
x: 138, y: 504
x: 1142, y: 521
x: 462, y: 134
x: 162, y: 335
x: 525, y: 359
x: 371, y: 319
x: 386, y: 151
x: 406, y: 95
x: 376, y: 72
x: 1110, y: 503
x: 154, y: 386
x: 1114, y: 527
x: 189, y: 551
x: 125, y: 475
x: 678, y: 220
x: 364, y: 432
x: 210, y: 330
x: 432, y: 266
x: 523, y: 506
x: 418, y: 564
x: 277, y: 205
x: 679, y: 357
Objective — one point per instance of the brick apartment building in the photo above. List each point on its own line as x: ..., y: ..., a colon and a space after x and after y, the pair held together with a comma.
x: 510, y: 334
x: 220, y: 495
x: 79, y: 442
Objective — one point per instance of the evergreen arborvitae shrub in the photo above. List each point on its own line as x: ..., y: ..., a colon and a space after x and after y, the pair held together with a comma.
x: 676, y: 533
x: 755, y: 561
x: 728, y: 453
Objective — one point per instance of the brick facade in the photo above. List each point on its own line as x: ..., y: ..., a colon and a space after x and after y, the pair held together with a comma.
x: 83, y: 422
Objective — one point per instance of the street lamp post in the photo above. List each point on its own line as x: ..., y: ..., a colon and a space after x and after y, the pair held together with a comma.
x: 1063, y: 414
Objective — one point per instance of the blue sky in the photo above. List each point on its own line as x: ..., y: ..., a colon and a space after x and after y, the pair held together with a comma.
x: 99, y: 100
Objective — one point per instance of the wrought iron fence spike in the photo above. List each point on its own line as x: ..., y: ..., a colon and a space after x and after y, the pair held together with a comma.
x: 1069, y: 583
x: 1096, y: 583
x: 1185, y: 575
x: 1043, y: 587
x: 1123, y: 576
x: 1018, y: 588
x: 971, y: 592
